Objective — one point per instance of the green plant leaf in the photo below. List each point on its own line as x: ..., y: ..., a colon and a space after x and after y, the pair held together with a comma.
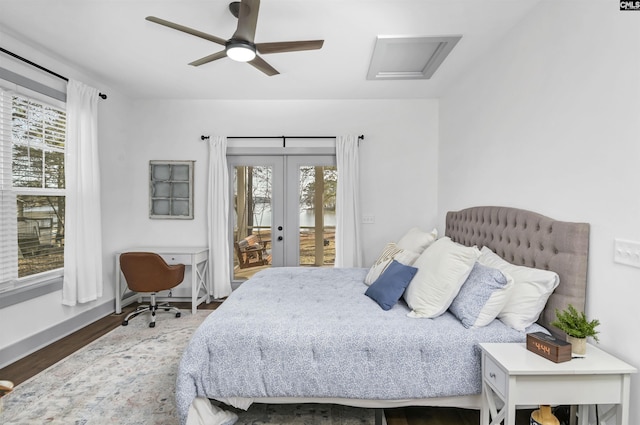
x: 575, y: 323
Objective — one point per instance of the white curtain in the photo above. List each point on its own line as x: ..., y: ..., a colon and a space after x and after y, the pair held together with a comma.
x: 83, y: 229
x: 218, y: 219
x: 348, y: 245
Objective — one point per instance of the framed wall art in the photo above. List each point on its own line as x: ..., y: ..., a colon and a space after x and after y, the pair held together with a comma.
x: 171, y: 189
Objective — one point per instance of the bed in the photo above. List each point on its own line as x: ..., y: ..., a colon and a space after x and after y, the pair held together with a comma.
x: 265, y: 344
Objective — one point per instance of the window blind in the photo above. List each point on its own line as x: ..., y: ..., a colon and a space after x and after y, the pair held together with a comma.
x: 8, y: 224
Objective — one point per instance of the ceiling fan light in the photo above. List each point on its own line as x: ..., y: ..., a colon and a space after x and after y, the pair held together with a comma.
x: 240, y: 51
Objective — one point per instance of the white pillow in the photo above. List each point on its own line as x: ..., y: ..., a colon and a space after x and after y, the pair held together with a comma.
x: 530, y: 292
x: 389, y: 253
x: 416, y: 240
x: 442, y: 269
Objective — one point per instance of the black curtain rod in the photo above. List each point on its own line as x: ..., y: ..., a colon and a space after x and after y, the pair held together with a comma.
x: 42, y: 68
x: 284, y: 138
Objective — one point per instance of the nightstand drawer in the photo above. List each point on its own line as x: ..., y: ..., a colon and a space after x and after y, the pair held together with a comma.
x: 495, y: 376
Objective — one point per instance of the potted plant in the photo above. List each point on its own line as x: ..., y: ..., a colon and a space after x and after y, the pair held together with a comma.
x: 575, y: 324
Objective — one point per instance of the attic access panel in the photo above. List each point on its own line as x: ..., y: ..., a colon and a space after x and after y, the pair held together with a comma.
x: 409, y: 58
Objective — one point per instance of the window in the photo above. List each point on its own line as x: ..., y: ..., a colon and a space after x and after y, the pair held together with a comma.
x: 32, y: 188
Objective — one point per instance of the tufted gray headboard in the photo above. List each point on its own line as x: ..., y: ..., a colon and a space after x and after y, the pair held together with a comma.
x: 529, y: 239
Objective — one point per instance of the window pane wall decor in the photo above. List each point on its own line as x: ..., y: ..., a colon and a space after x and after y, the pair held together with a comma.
x: 171, y: 189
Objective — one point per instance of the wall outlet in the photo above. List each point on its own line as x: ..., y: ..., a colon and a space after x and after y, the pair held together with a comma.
x: 626, y: 252
x: 368, y: 219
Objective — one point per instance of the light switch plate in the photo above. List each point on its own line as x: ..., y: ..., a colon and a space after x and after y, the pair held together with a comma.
x: 626, y: 252
x: 368, y: 219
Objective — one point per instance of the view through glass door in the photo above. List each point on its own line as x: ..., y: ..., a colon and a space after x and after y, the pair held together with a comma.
x: 311, y: 201
x: 283, y: 212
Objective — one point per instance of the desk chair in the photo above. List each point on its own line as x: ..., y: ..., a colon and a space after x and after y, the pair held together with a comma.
x: 147, y: 272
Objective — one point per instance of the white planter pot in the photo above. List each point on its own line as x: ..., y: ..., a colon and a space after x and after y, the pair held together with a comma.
x: 578, y: 345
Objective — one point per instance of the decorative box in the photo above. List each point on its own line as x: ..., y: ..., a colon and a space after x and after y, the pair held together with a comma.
x: 549, y: 347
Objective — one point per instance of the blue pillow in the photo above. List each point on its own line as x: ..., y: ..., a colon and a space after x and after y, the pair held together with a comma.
x: 481, y: 297
x: 390, y: 286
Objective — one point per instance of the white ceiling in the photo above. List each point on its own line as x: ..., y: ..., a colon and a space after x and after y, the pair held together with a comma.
x: 111, y: 40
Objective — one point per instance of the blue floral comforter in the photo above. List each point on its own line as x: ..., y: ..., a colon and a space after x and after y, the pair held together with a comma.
x: 311, y: 332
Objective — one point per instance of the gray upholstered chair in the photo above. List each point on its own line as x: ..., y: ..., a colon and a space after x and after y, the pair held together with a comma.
x: 147, y: 272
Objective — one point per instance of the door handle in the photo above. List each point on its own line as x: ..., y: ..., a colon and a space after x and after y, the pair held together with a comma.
x: 279, y: 238
x: 279, y: 227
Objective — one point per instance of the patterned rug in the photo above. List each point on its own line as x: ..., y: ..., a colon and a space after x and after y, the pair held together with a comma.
x: 128, y: 377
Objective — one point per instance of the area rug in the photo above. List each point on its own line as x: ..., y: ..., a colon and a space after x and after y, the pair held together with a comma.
x: 128, y: 377
x: 125, y: 377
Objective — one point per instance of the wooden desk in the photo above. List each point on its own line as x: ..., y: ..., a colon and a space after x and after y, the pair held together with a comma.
x: 517, y: 376
x: 197, y: 258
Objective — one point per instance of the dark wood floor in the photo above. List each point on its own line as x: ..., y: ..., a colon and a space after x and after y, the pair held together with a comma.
x: 33, y: 364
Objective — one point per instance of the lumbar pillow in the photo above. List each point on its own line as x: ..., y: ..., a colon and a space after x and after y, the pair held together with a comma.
x: 390, y: 286
x: 482, y: 296
x: 389, y: 253
x: 531, y: 290
x: 442, y: 269
x: 416, y: 240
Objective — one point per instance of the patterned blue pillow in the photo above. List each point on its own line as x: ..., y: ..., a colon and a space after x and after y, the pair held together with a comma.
x: 481, y: 297
x: 390, y: 286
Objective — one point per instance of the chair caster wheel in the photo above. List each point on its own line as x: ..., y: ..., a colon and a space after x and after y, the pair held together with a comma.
x: 125, y: 322
x: 152, y: 324
x: 178, y: 314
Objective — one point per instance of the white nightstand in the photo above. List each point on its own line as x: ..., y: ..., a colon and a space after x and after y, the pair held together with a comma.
x: 517, y: 376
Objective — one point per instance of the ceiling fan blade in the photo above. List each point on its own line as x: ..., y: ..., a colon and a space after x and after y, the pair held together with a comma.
x: 247, y: 20
x: 263, y: 66
x: 188, y: 30
x: 288, y: 46
x: 209, y: 58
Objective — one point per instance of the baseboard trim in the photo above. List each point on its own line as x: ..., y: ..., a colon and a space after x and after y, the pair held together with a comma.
x: 29, y: 345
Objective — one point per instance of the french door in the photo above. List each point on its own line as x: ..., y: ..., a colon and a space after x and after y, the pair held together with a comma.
x: 282, y: 212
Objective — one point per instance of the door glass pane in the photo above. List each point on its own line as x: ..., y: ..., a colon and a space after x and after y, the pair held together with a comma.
x: 252, y: 198
x: 317, y: 194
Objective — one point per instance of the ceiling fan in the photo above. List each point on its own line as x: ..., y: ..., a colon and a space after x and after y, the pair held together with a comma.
x: 241, y: 46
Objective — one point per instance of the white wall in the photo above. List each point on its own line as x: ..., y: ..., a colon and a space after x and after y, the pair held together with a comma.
x: 550, y: 122
x: 398, y: 156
